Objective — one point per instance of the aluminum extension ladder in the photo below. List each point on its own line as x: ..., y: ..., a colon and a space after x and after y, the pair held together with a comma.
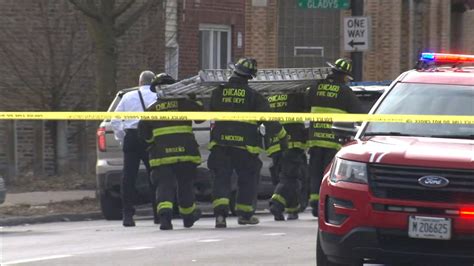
x: 267, y: 82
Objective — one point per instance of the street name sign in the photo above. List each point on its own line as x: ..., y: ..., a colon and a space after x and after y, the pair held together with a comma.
x: 324, y: 4
x: 356, y: 34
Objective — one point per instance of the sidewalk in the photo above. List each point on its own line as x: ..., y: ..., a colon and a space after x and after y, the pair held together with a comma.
x: 44, y: 197
x: 39, y: 200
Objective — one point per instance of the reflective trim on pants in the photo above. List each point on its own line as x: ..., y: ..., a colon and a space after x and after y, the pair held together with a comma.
x: 293, y: 210
x: 313, y: 197
x: 243, y: 207
x: 188, y: 210
x: 220, y: 202
x: 165, y: 205
x: 279, y: 198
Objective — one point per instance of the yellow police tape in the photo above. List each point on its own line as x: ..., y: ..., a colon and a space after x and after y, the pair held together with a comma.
x: 236, y: 116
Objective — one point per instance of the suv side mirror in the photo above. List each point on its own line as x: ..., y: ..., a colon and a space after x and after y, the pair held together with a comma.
x: 344, y: 131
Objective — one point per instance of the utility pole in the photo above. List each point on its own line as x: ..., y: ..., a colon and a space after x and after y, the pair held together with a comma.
x: 357, y: 7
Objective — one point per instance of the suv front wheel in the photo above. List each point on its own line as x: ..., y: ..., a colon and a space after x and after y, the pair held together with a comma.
x: 322, y: 258
x: 110, y: 206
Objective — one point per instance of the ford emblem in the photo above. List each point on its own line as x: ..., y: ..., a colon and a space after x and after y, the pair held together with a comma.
x: 433, y: 181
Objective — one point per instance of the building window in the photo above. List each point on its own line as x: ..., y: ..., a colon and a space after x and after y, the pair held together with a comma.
x: 214, y: 46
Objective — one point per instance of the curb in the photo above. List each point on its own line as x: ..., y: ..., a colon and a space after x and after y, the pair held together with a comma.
x: 141, y: 213
x: 66, y: 217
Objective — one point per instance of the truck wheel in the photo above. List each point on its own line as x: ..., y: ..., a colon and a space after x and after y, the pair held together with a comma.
x: 322, y: 259
x: 111, y: 207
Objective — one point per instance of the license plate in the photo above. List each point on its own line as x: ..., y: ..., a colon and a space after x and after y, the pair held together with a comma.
x: 429, y: 227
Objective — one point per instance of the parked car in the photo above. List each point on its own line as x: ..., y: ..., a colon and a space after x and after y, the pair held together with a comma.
x: 404, y: 192
x: 3, y: 190
x: 110, y: 162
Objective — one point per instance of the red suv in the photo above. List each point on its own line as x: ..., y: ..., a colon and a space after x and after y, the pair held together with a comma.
x: 404, y: 192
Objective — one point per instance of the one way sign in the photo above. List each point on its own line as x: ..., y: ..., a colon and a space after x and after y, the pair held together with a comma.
x: 356, y: 34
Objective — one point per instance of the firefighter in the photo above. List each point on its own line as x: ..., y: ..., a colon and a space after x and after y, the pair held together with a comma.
x: 330, y: 95
x: 235, y: 145
x: 174, y: 157
x: 288, y: 168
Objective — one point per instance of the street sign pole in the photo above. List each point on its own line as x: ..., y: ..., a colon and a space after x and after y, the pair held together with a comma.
x: 357, y: 10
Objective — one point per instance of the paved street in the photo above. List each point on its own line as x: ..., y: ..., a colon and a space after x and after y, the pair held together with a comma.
x: 108, y: 243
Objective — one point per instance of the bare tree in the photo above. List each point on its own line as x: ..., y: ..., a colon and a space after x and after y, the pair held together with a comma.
x: 107, y: 21
x: 43, y: 62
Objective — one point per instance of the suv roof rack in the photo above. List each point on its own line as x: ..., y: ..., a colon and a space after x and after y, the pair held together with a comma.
x: 267, y: 81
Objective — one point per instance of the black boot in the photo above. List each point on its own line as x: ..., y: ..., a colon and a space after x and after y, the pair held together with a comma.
x: 315, y: 208
x: 165, y: 220
x: 292, y: 216
x: 189, y: 220
x: 277, y: 210
x: 248, y: 220
x: 220, y: 221
x: 127, y: 220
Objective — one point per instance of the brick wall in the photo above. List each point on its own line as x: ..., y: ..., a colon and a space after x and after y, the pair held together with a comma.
x: 261, y: 31
x: 192, y: 13
x: 400, y: 30
x: 380, y: 62
x: 140, y: 48
x: 467, y: 31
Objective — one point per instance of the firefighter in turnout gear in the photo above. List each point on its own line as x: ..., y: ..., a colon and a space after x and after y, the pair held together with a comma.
x: 289, y: 168
x: 327, y: 96
x: 235, y: 145
x: 174, y: 157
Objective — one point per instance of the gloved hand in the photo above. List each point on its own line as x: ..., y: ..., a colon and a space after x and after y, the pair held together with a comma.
x: 192, y: 96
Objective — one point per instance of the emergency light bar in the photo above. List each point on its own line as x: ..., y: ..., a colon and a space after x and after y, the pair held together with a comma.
x: 439, y: 58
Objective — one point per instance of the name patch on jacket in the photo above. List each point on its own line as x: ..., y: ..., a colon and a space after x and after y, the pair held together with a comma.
x: 232, y: 138
x: 328, y: 90
x: 278, y: 101
x: 175, y: 149
x: 166, y: 105
x: 232, y: 95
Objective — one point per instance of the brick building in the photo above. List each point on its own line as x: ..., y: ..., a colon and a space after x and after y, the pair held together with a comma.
x: 400, y: 30
x: 29, y: 68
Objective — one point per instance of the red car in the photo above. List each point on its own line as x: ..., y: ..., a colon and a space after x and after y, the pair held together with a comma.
x: 403, y: 193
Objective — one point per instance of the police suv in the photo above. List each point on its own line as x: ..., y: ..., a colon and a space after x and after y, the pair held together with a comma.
x: 404, y: 192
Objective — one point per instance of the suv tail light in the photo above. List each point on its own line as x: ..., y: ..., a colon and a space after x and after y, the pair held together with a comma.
x: 467, y: 213
x: 101, y: 144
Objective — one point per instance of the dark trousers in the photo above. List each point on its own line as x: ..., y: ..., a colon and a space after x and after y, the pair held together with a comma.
x: 134, y: 151
x: 318, y: 161
x: 222, y: 162
x: 169, y: 178
x: 290, y: 170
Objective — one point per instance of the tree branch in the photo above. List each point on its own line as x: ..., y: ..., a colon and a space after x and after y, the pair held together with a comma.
x: 73, y: 73
x: 88, y: 8
x: 122, y: 8
x: 121, y: 28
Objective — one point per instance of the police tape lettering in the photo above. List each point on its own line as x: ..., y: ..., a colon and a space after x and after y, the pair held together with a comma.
x: 239, y: 116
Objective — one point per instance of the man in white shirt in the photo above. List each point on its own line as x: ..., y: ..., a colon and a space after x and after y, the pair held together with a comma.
x: 134, y: 148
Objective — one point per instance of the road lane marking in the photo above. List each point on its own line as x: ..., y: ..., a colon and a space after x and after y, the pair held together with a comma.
x: 209, y: 240
x: 36, y: 259
x: 275, y: 234
x: 138, y: 248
